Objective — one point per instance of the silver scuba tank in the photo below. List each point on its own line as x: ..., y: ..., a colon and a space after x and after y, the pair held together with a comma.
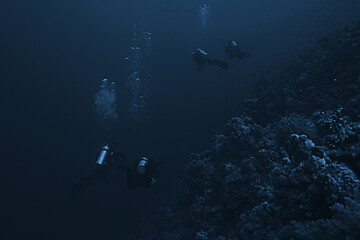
x: 202, y: 52
x: 233, y: 44
x: 141, y: 167
x: 101, y: 160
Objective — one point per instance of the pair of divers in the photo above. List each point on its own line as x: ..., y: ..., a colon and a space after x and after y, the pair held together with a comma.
x: 142, y: 173
x: 232, y: 50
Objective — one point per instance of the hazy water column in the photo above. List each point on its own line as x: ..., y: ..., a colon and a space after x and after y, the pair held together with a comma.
x: 204, y: 14
x: 139, y: 75
x: 105, y: 103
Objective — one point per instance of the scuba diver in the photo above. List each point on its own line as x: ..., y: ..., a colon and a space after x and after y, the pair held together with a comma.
x: 232, y: 50
x: 202, y: 58
x: 143, y: 172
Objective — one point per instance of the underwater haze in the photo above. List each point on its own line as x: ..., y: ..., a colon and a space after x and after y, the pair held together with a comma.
x: 76, y: 74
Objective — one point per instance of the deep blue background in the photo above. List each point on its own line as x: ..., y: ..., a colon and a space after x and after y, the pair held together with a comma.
x: 53, y: 57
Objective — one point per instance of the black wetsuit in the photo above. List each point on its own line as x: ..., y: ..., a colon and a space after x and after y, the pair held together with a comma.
x: 201, y: 58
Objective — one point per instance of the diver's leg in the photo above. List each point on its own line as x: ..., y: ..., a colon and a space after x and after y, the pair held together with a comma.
x: 79, y: 188
x: 222, y: 64
x: 200, y: 67
x: 130, y: 180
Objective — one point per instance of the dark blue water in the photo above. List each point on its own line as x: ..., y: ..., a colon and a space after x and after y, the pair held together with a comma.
x: 54, y: 55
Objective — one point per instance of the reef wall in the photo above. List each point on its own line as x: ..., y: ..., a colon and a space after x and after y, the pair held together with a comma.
x: 288, y: 166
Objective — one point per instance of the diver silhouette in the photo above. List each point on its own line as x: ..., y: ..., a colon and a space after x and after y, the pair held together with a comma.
x: 202, y: 58
x: 232, y: 50
x: 142, y: 173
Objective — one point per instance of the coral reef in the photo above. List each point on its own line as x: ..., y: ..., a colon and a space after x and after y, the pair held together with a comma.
x: 288, y: 166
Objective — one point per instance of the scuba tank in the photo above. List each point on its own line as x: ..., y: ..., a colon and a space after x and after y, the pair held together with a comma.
x: 141, y: 167
x: 101, y: 160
